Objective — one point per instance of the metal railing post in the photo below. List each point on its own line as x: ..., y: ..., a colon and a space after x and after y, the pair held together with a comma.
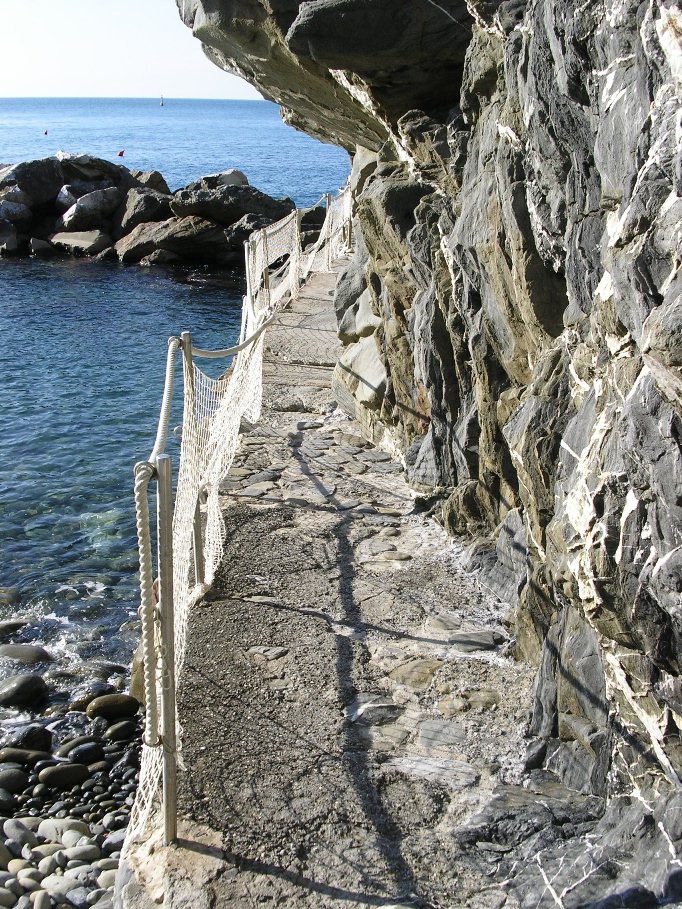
x: 168, y: 709
x: 328, y: 231
x: 197, y: 547
x: 266, y: 268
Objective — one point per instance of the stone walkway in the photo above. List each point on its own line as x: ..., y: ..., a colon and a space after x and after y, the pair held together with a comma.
x: 349, y: 709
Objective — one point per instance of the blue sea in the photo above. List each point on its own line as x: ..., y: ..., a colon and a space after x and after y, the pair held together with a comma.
x: 82, y: 361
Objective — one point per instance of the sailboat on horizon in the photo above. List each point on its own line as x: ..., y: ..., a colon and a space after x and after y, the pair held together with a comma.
x: 161, y: 102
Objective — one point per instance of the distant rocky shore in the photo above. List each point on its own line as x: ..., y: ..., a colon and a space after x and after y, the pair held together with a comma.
x: 79, y: 205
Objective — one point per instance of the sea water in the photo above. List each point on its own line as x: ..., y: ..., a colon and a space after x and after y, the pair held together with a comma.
x: 82, y: 358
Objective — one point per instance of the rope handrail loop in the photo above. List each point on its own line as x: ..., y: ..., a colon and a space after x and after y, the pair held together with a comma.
x: 174, y: 345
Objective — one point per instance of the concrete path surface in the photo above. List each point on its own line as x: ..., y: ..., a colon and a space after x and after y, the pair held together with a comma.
x: 347, y: 701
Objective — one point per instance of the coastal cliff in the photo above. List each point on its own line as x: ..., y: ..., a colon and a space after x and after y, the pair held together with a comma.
x: 512, y: 326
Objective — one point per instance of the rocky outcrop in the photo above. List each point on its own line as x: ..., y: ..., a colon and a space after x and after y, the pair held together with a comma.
x: 85, y: 206
x: 514, y: 306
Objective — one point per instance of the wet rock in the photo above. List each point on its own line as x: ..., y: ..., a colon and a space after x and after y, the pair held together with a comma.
x: 9, y: 242
x: 24, y: 653
x: 13, y: 780
x: 113, y: 706
x: 24, y: 690
x: 40, y: 248
x: 84, y: 694
x: 10, y: 626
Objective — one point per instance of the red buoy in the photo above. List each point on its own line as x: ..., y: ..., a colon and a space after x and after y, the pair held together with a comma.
x: 120, y: 154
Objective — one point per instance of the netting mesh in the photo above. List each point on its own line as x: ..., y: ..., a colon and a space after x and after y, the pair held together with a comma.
x: 213, y: 411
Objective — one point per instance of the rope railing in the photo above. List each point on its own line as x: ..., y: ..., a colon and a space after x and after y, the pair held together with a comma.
x: 191, y: 532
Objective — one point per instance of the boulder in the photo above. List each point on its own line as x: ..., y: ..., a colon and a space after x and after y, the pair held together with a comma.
x: 83, y: 242
x: 192, y: 239
x: 152, y: 179
x: 141, y: 241
x: 231, y: 177
x: 241, y: 230
x: 91, y: 210
x: 16, y: 212
x: 40, y: 180
x: 142, y: 206
x: 8, y: 237
x: 86, y: 168
x: 70, y: 193
x: 227, y: 204
x: 25, y: 690
x: 14, y: 194
x: 40, y: 248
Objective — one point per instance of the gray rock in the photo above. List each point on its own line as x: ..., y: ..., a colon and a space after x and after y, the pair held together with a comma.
x: 16, y: 212
x: 40, y: 180
x: 14, y: 829
x: 8, y: 238
x: 142, y: 206
x: 81, y: 243
x: 40, y: 248
x: 152, y: 179
x: 226, y: 204
x: 91, y: 210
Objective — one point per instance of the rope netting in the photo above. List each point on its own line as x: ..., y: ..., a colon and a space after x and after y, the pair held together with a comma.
x: 212, y: 415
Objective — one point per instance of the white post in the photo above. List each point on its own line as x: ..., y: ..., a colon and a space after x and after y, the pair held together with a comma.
x: 328, y: 232
x: 168, y: 709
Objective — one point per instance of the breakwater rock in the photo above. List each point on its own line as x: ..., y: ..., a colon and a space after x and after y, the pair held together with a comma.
x: 85, y: 206
x: 512, y: 324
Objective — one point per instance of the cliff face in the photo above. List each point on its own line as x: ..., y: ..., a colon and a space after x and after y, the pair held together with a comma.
x: 513, y: 314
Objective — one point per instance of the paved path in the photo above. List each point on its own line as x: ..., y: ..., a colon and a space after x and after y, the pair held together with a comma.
x: 341, y: 698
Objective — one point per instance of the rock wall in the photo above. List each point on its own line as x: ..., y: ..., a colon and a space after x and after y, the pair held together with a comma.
x: 513, y: 316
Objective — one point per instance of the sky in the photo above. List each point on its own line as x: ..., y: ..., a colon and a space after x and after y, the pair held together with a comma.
x: 103, y: 49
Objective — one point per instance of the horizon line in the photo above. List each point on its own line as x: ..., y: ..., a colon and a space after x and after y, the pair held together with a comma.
x: 119, y: 98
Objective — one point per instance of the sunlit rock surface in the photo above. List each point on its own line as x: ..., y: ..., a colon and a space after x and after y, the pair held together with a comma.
x: 517, y: 176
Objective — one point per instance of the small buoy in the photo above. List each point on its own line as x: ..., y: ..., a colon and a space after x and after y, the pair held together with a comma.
x: 120, y: 153
x: 45, y: 133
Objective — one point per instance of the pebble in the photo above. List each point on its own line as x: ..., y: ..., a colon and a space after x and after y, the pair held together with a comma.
x: 63, y: 776
x: 15, y: 830
x: 7, y: 898
x: 13, y: 780
x: 42, y: 900
x: 113, y: 706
